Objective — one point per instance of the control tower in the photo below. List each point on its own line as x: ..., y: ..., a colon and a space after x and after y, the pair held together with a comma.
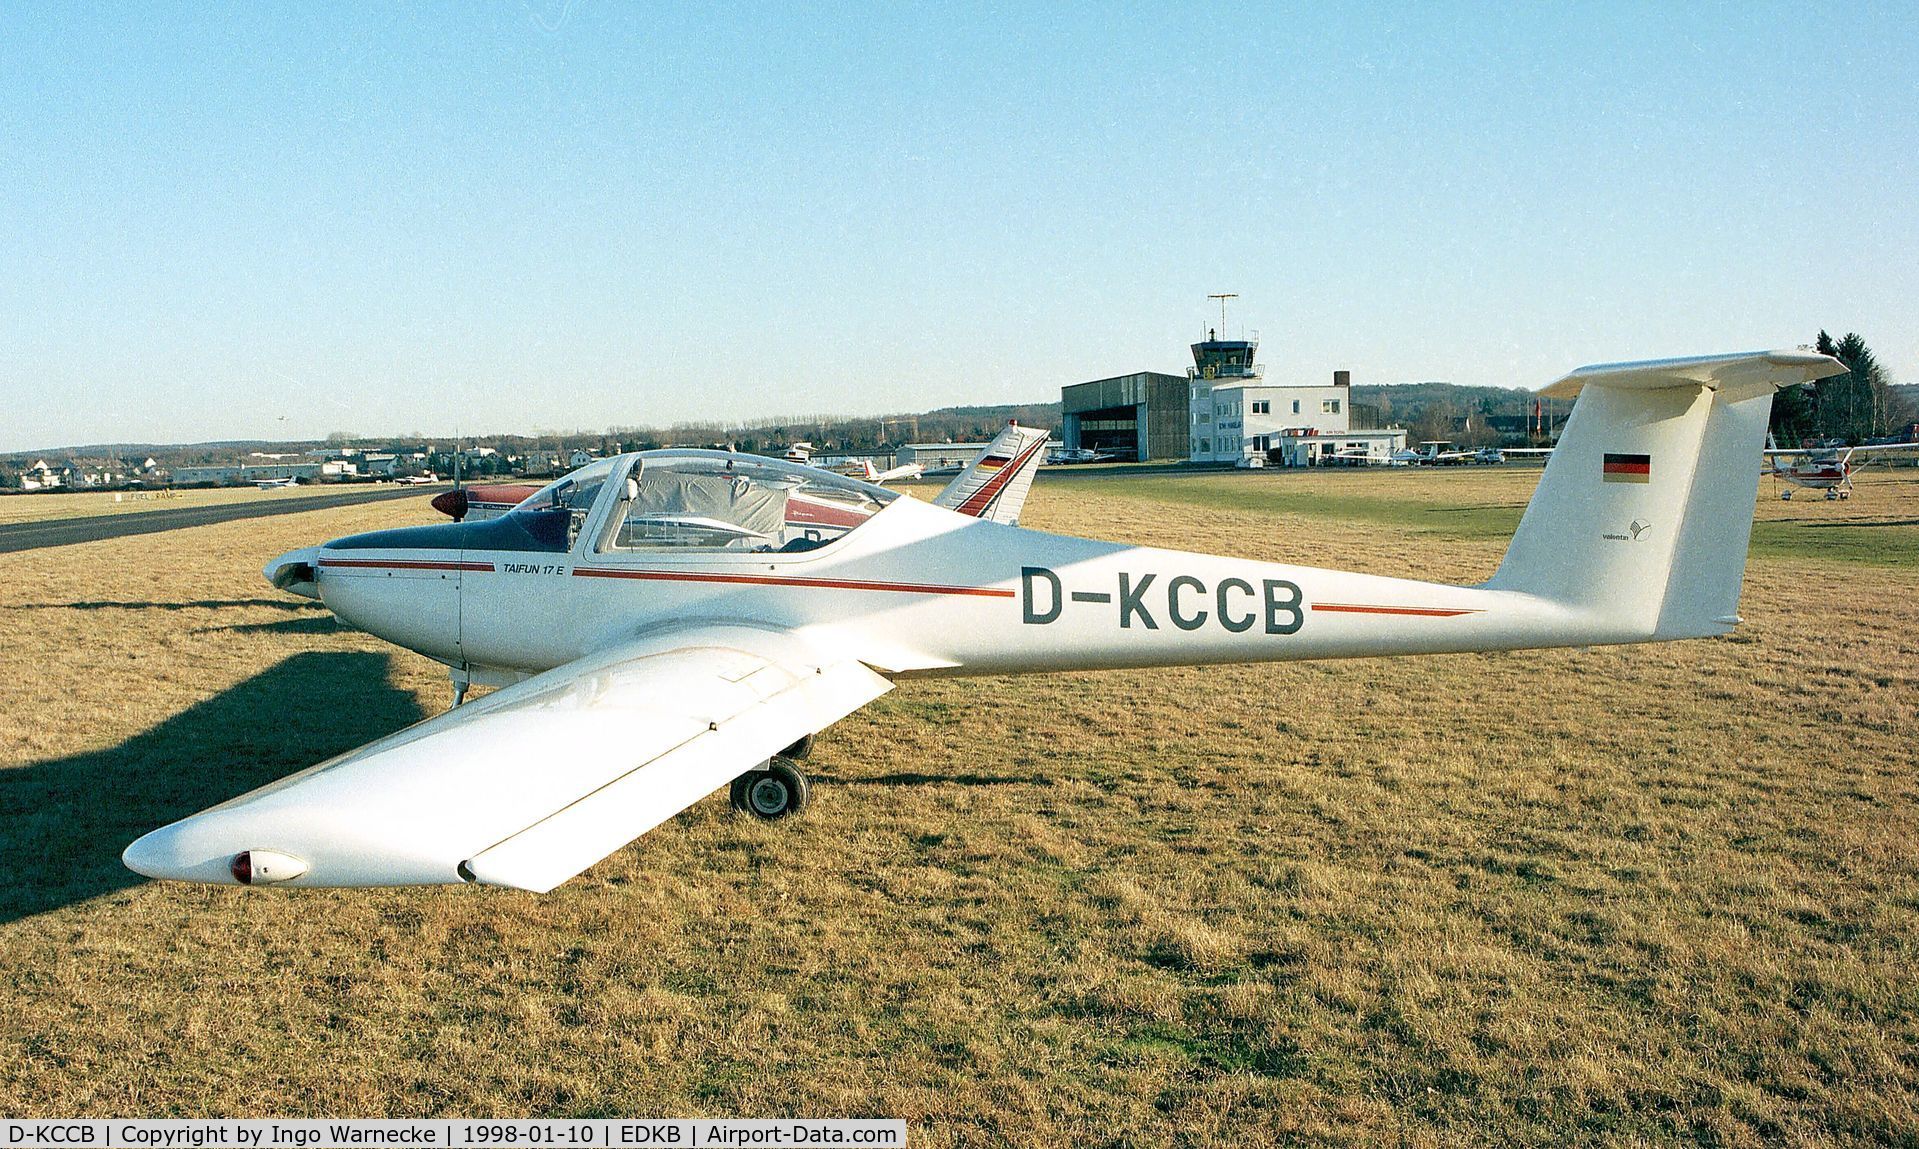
x: 1224, y: 359
x: 1216, y: 358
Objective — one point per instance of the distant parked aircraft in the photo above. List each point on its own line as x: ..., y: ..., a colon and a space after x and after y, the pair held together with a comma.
x: 864, y: 469
x: 272, y: 484
x: 1079, y: 455
x: 1828, y: 469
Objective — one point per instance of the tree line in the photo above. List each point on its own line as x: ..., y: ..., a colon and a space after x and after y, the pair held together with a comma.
x: 1851, y: 408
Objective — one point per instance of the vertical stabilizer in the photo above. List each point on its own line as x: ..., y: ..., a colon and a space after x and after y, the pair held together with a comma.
x: 1643, y: 515
x: 994, y: 487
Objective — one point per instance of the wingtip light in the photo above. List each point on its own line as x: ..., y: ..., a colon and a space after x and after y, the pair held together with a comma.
x: 264, y: 867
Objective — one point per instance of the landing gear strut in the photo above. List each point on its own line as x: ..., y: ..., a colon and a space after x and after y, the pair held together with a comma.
x: 772, y: 792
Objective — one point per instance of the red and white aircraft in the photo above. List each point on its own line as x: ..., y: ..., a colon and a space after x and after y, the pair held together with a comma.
x: 668, y: 622
x: 1828, y: 469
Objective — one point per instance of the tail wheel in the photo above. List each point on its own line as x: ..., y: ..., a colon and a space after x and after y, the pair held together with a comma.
x: 799, y: 751
x: 779, y: 791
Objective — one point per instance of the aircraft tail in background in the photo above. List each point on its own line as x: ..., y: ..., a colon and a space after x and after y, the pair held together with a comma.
x: 994, y: 487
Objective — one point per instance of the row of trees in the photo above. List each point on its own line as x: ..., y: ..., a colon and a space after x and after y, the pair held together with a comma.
x: 1852, y: 408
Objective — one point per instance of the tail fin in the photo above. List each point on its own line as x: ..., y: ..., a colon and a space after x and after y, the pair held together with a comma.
x: 995, y: 486
x: 1645, y: 510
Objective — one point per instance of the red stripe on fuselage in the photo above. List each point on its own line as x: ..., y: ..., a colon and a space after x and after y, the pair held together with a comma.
x: 407, y: 564
x: 1414, y: 611
x: 794, y: 580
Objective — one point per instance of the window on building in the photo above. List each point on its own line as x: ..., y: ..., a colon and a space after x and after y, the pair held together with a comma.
x: 1262, y: 406
x: 1262, y: 444
x: 1295, y: 406
x: 1329, y: 406
x: 1205, y: 446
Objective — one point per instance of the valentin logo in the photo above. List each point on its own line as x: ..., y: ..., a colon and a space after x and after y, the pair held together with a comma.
x: 1638, y: 528
x: 1618, y: 468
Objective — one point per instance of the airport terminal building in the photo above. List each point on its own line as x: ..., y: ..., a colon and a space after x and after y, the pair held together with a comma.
x: 1223, y: 411
x: 1237, y: 417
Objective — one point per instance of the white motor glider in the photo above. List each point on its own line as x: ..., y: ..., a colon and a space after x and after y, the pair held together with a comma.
x: 668, y: 622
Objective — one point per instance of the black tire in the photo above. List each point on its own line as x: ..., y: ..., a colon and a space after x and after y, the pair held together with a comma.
x: 779, y: 791
x: 799, y: 751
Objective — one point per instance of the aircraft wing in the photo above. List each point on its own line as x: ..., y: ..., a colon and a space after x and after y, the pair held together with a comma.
x: 530, y: 785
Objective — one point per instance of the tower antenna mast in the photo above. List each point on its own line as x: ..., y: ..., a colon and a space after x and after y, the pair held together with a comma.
x: 1222, y: 309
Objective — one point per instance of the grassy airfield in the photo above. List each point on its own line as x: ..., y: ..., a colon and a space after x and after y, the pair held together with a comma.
x: 1655, y: 895
x: 36, y: 508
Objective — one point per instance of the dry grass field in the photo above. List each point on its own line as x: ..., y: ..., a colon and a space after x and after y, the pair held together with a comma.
x: 1665, y: 895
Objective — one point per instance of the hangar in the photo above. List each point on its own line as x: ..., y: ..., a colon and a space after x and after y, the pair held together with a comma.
x: 1141, y: 416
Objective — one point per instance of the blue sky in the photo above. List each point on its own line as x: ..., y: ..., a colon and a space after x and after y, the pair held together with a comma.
x: 280, y: 221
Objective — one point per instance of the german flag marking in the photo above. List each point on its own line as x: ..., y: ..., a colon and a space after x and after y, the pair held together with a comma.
x: 1626, y: 468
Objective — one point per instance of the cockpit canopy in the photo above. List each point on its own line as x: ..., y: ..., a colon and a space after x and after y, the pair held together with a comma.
x: 683, y: 500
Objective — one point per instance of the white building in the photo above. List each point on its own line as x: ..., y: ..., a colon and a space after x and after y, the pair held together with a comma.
x: 37, y: 476
x: 228, y: 474
x: 1238, y: 417
x: 934, y: 456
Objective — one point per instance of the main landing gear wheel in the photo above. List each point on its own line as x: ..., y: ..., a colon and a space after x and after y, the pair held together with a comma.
x: 779, y: 791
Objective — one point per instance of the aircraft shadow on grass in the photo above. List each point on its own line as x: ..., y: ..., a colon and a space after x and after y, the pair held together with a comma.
x: 64, y: 821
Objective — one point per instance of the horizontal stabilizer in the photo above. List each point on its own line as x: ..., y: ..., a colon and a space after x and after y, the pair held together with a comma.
x: 1740, y: 375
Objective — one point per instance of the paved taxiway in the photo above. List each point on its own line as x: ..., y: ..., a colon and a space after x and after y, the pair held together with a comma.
x: 60, y: 532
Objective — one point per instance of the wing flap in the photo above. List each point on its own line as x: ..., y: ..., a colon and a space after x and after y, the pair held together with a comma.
x: 566, y: 842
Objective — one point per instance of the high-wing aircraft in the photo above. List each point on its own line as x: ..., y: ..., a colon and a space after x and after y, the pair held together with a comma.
x: 1064, y: 456
x: 665, y: 623
x: 417, y: 480
x: 272, y: 484
x: 1828, y: 469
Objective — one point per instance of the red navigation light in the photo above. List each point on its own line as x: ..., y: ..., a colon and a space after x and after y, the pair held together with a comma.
x: 242, y: 867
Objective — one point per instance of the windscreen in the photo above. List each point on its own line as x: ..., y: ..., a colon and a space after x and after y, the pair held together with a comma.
x: 716, y: 501
x: 556, y: 512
